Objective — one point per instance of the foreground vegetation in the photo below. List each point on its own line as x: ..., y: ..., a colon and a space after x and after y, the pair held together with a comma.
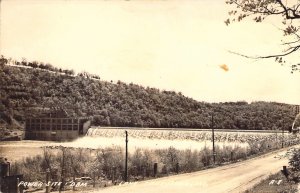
x: 276, y: 183
x: 105, y: 166
x: 31, y: 88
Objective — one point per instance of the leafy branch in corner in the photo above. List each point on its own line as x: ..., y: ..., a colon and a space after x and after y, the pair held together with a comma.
x: 259, y: 10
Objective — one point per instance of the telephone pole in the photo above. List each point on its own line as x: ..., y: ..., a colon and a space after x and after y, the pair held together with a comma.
x: 282, y: 143
x: 213, y: 138
x: 126, y: 157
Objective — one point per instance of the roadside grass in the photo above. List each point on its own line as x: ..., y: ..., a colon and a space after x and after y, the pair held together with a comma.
x: 273, y: 185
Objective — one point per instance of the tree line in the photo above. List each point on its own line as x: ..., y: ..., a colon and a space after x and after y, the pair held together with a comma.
x: 32, y: 91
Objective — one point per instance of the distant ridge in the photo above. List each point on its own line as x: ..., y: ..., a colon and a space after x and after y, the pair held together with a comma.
x: 40, y: 87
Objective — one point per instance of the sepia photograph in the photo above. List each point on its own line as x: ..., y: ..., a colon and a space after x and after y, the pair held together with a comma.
x: 149, y: 96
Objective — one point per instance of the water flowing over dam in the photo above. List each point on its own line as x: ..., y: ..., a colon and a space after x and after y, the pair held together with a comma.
x: 174, y: 133
x: 164, y: 138
x: 157, y: 138
x: 160, y: 138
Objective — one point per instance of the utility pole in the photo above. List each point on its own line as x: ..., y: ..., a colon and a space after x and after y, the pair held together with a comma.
x: 47, y: 180
x: 282, y: 142
x: 126, y: 157
x: 61, y: 187
x: 213, y: 138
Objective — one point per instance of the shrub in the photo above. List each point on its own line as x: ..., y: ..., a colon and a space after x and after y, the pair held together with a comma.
x: 294, y: 161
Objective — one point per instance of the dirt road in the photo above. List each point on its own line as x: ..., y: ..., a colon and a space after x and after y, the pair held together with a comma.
x: 231, y: 178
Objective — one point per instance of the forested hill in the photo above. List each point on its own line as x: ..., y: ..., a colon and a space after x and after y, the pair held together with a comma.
x: 29, y: 89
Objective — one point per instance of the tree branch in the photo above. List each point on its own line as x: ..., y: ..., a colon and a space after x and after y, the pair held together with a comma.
x: 293, y: 49
x: 286, y: 11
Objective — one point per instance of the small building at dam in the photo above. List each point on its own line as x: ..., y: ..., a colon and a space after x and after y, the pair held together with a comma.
x: 56, y: 128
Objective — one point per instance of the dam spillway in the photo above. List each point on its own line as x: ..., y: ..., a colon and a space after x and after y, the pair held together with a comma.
x: 195, y: 139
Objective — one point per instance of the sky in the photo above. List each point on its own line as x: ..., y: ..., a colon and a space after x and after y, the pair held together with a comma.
x: 182, y: 46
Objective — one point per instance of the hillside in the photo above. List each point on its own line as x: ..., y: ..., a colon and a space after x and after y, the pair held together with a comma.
x: 30, y: 88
